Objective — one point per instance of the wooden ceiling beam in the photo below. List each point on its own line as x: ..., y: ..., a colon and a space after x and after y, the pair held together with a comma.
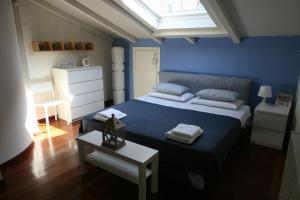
x: 191, y: 40
x: 218, y: 13
x: 192, y: 33
x: 158, y: 40
x: 121, y: 8
x: 101, y: 21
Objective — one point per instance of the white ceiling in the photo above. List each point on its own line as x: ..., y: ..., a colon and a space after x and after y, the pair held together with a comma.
x: 265, y: 17
x: 64, y: 6
x: 115, y: 17
x: 250, y: 17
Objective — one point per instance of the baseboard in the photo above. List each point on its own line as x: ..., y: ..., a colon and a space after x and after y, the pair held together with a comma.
x: 43, y: 120
x: 19, y: 156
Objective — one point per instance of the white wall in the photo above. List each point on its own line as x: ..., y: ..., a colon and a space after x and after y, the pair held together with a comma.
x: 14, y: 137
x: 296, y: 119
x: 40, y: 24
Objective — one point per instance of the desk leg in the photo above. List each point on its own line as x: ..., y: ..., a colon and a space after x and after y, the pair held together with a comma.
x: 47, y: 119
x: 142, y: 182
x: 67, y: 113
x: 81, y: 155
x: 154, y: 176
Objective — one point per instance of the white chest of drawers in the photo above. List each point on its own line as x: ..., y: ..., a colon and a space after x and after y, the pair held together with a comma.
x: 81, y: 88
x: 269, y: 125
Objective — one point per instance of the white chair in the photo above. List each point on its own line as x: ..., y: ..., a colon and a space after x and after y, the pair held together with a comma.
x: 46, y: 87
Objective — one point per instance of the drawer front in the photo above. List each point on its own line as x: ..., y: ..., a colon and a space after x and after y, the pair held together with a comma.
x: 87, y: 98
x: 86, y: 109
x: 270, y: 121
x: 84, y: 75
x: 85, y: 87
x: 267, y: 138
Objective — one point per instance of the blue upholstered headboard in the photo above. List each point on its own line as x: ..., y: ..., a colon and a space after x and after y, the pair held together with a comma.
x: 197, y: 82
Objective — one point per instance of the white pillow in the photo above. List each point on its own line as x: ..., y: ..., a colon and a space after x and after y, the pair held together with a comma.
x: 182, y: 98
x: 235, y: 105
x: 170, y: 88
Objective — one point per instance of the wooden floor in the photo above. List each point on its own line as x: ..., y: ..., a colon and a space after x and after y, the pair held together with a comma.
x: 49, y: 170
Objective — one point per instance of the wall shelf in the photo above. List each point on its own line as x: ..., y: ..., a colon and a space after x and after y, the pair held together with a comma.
x: 43, y: 46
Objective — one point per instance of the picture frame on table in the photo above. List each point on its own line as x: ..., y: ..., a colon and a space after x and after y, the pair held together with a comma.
x: 284, y: 99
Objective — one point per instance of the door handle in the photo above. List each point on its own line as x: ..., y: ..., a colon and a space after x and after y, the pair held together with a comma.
x: 155, y: 59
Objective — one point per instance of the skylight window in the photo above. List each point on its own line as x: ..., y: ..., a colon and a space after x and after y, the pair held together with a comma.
x: 170, y: 14
x: 174, y: 7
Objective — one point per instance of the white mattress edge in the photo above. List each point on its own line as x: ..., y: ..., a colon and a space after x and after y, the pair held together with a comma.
x: 242, y: 114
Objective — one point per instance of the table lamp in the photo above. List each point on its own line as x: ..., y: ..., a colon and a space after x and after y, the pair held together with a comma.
x: 265, y: 91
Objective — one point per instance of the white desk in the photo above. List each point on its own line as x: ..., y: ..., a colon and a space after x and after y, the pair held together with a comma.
x: 130, y: 162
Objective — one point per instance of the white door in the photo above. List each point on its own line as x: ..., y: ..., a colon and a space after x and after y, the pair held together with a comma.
x: 146, y: 64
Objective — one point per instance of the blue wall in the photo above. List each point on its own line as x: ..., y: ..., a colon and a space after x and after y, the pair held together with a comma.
x: 267, y: 60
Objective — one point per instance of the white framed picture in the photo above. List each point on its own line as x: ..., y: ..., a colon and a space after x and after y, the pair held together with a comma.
x: 284, y: 99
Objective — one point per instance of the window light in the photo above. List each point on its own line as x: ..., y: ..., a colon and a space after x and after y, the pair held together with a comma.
x: 171, y: 14
x: 174, y: 7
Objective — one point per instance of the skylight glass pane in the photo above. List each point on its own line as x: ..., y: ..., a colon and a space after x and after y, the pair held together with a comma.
x: 169, y: 7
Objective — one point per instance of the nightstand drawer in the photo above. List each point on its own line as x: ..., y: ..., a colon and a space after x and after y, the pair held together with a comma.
x: 270, y: 121
x: 267, y: 138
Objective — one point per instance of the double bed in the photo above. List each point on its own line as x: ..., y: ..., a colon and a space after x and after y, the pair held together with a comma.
x: 149, y: 118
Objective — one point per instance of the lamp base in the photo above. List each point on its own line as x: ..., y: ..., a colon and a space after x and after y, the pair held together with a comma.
x: 263, y: 102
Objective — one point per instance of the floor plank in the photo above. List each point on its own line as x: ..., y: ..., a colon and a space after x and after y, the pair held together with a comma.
x: 49, y: 170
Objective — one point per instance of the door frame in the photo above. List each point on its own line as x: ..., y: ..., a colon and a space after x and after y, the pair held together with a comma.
x: 134, y: 49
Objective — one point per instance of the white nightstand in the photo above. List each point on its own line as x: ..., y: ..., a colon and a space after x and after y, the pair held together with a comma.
x: 269, y: 125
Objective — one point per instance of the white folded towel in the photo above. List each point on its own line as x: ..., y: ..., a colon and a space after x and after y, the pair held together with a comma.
x: 106, y: 114
x: 185, y: 140
x: 186, y: 130
x: 184, y: 133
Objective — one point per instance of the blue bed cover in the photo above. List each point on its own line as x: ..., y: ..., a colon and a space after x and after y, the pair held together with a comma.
x: 147, y: 123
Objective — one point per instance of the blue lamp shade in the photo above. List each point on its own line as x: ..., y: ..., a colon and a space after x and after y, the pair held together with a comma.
x: 265, y: 91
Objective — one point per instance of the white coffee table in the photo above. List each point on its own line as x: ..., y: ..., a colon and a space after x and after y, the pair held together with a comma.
x: 130, y: 162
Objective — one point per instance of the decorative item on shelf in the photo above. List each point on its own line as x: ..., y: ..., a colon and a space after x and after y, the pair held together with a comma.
x: 57, y: 46
x: 69, y: 65
x: 38, y: 46
x: 79, y: 46
x: 85, y: 62
x: 265, y: 91
x: 284, y: 99
x: 113, y: 133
